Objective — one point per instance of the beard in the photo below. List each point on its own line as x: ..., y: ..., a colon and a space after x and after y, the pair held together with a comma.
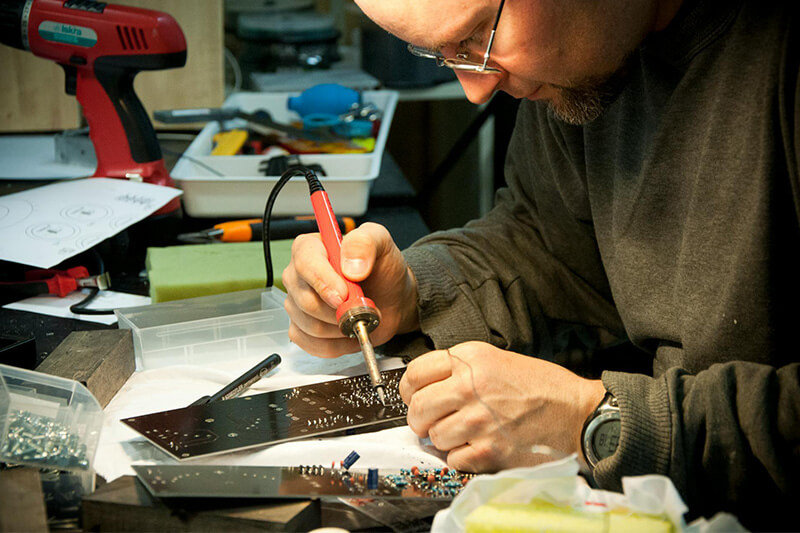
x: 584, y: 101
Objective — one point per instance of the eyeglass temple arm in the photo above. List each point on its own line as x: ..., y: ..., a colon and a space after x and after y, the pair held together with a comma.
x: 488, y: 49
x: 491, y: 36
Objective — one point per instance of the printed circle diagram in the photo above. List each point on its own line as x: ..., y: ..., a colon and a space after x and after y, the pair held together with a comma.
x: 86, y: 213
x: 121, y: 223
x: 13, y: 211
x: 87, y: 241
x: 51, y: 231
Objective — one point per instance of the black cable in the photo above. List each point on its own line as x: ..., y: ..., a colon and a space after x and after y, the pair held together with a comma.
x: 291, y: 172
x: 80, y: 308
x: 101, y: 265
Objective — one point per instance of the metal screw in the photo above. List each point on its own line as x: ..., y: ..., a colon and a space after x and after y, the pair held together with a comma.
x: 36, y: 438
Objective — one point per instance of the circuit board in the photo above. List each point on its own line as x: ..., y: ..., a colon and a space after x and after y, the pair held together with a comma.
x: 347, y: 405
x: 214, y: 481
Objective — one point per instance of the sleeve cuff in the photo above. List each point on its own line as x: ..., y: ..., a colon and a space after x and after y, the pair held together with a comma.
x: 447, y: 314
x: 645, y: 437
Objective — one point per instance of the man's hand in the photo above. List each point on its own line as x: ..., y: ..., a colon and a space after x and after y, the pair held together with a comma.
x: 369, y: 257
x: 486, y: 407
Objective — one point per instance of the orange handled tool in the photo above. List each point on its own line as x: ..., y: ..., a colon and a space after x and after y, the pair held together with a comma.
x: 237, y: 230
x: 251, y: 230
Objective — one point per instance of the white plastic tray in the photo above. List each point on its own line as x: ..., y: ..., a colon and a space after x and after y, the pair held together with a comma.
x: 243, y: 191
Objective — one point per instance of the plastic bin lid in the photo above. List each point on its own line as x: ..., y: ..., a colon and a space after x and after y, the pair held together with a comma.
x: 287, y: 27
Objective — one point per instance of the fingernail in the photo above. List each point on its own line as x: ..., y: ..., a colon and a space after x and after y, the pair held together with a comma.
x: 354, y: 267
x: 333, y: 298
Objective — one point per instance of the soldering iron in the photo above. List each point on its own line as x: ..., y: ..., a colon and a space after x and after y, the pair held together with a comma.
x: 357, y: 315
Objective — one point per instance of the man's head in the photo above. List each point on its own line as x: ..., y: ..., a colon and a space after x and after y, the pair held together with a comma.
x: 571, y: 53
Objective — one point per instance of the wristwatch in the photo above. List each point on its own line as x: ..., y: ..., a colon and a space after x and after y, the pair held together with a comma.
x: 600, y: 435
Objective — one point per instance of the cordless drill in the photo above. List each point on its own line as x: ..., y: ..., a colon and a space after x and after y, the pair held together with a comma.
x: 101, y: 48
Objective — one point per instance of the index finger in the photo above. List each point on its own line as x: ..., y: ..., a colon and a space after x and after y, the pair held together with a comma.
x: 310, y: 260
x: 424, y: 370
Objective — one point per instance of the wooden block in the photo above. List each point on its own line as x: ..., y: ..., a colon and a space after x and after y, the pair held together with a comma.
x: 22, y: 503
x: 339, y: 514
x: 102, y: 360
x: 125, y: 505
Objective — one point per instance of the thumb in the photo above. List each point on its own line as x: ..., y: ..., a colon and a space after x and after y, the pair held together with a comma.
x: 360, y: 248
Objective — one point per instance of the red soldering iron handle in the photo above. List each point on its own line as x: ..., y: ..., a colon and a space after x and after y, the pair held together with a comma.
x: 332, y: 239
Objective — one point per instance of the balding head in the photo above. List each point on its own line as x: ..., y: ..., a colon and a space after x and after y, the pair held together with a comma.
x: 427, y: 23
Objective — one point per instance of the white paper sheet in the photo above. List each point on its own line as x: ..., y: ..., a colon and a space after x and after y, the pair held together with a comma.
x: 55, y: 306
x: 44, y: 226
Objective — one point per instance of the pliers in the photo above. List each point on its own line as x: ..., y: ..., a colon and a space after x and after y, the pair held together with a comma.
x: 56, y: 282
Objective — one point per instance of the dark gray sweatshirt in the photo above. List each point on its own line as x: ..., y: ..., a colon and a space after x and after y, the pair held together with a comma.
x: 671, y: 221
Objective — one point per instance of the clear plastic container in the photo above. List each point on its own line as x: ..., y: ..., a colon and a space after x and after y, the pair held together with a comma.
x: 47, y: 421
x: 207, y: 329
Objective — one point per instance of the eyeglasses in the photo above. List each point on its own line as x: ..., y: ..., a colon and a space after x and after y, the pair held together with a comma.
x: 461, y: 61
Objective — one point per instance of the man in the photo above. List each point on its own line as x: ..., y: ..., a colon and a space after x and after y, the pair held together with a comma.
x: 653, y: 195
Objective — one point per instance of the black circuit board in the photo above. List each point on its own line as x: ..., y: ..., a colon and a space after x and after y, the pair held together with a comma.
x: 214, y: 481
x: 342, y: 406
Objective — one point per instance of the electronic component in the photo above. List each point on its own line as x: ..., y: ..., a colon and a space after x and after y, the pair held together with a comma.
x: 343, y: 405
x: 372, y: 478
x: 351, y: 458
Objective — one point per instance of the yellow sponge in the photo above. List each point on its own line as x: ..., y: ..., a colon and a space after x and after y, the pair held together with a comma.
x: 542, y: 516
x: 178, y: 272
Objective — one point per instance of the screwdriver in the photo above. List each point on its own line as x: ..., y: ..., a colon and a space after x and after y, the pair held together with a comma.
x: 357, y: 315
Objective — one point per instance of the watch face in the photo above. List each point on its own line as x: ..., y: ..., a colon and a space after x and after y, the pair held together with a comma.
x: 606, y: 438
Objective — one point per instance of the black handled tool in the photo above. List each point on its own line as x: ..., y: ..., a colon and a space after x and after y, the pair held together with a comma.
x: 243, y: 382
x: 260, y: 121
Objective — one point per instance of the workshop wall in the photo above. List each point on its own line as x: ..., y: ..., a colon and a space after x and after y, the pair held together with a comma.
x: 33, y: 88
x: 32, y: 98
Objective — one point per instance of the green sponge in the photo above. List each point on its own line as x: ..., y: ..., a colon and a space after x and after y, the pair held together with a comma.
x: 178, y: 272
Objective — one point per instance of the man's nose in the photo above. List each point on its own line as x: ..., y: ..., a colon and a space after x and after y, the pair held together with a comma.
x: 479, y: 87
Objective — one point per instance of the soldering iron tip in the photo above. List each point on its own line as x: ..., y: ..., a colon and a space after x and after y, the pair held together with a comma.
x: 381, y: 395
